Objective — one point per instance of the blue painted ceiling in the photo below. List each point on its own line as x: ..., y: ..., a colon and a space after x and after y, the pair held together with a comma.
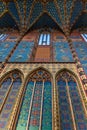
x: 30, y: 14
x: 81, y: 22
x: 45, y: 21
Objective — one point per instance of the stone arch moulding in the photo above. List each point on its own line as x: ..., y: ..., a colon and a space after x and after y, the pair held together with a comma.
x: 5, y: 75
x: 36, y: 69
x: 71, y: 97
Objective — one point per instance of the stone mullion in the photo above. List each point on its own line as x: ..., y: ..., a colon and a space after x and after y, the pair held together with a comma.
x: 10, y: 54
x: 29, y: 113
x: 56, y: 117
x: 78, y: 64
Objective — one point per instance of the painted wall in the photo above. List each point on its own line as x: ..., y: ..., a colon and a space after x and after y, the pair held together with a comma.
x: 61, y: 48
x: 81, y: 49
x: 22, y: 52
x: 24, y: 49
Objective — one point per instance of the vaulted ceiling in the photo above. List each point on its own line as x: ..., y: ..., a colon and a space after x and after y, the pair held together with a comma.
x: 65, y: 15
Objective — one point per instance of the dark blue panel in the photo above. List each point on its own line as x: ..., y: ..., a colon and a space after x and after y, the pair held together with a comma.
x: 21, y: 9
x: 22, y: 52
x: 81, y: 49
x: 75, y: 37
x: 62, y: 52
x: 28, y: 7
x: 76, y: 11
x: 38, y: 8
x: 13, y: 10
x: 7, y: 21
x: 53, y: 12
x: 68, y: 6
x: 45, y: 21
x: 2, y: 7
x: 81, y: 22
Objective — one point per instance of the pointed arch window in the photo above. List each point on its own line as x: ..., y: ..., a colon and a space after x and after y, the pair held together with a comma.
x: 36, y: 110
x: 44, y: 39
x: 9, y: 89
x: 3, y: 37
x: 72, y: 113
x: 84, y: 37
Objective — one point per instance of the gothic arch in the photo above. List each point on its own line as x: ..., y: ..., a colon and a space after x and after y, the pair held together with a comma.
x: 70, y: 102
x: 38, y: 90
x: 5, y: 75
x: 10, y: 84
x: 36, y: 69
x: 71, y: 72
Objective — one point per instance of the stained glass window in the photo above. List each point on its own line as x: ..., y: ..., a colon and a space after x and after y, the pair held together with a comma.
x: 3, y: 37
x: 72, y: 114
x: 44, y: 39
x: 84, y: 36
x: 9, y: 89
x: 36, y: 109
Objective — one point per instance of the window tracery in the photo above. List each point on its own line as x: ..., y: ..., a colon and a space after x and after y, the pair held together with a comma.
x: 37, y: 102
x: 9, y: 89
x: 72, y: 115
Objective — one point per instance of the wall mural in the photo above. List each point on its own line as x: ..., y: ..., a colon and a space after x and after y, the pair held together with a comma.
x: 81, y: 50
x: 62, y: 52
x: 5, y: 48
x: 22, y: 52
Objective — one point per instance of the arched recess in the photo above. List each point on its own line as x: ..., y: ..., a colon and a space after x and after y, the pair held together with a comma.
x: 36, y: 108
x: 10, y: 85
x: 71, y: 108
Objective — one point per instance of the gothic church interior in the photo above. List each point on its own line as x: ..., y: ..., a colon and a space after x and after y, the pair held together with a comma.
x: 43, y: 64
